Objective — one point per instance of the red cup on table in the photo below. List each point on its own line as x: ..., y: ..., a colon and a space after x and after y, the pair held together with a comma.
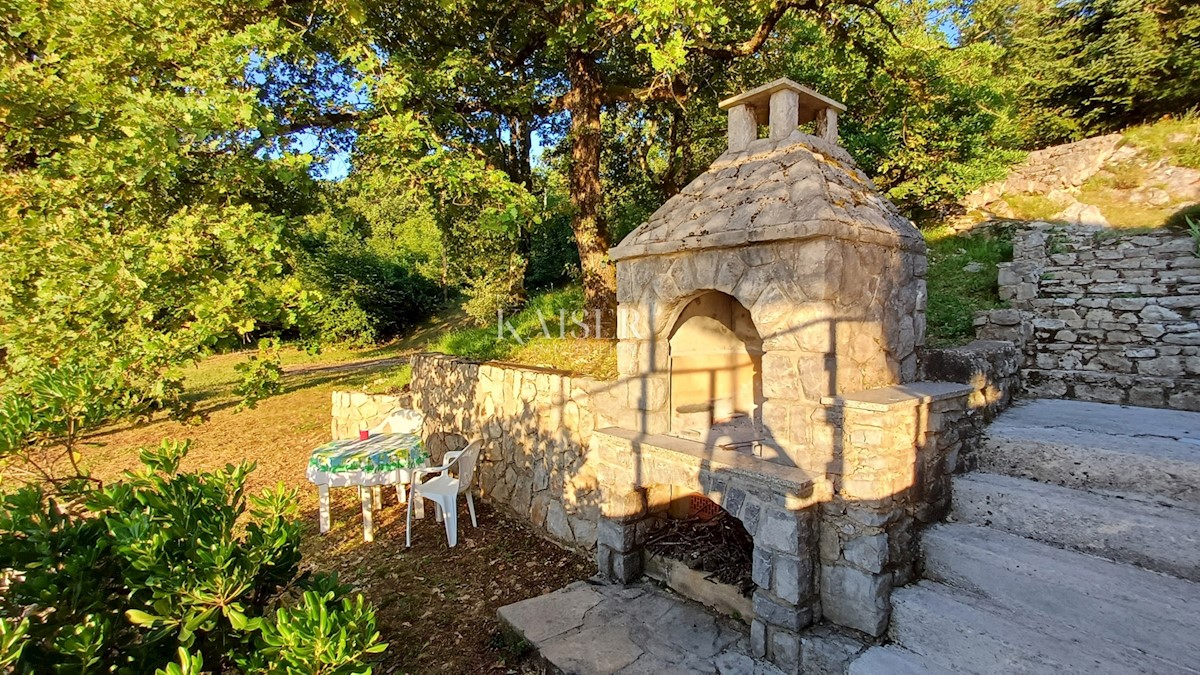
x: 363, y: 434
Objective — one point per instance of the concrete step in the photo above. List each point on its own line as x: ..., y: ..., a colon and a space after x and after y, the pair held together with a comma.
x: 893, y: 660
x: 1123, y: 604
x: 1098, y: 446
x: 967, y: 634
x: 1155, y: 534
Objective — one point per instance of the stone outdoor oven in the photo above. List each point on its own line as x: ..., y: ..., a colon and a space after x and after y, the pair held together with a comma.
x: 778, y: 277
x: 770, y: 319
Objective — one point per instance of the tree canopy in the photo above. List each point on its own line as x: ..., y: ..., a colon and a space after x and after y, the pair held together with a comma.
x: 163, y: 160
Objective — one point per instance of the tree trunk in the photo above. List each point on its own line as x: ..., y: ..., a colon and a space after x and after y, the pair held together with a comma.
x: 591, y: 232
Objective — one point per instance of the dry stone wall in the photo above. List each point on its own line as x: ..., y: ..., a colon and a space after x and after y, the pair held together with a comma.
x: 1057, y: 168
x: 536, y: 426
x: 1103, y: 317
x: 355, y: 410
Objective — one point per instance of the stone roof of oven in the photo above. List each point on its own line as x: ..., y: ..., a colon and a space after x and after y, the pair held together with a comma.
x: 795, y: 188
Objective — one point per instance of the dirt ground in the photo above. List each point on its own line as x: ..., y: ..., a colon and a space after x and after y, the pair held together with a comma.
x: 436, y: 606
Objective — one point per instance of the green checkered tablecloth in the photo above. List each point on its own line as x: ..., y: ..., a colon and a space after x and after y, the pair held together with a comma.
x: 382, y: 459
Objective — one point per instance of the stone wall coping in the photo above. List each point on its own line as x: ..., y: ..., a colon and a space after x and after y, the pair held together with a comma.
x: 509, y: 365
x: 885, y: 399
x: 857, y: 233
x: 786, y: 479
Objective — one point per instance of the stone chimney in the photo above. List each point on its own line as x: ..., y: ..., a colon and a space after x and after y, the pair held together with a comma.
x: 782, y: 106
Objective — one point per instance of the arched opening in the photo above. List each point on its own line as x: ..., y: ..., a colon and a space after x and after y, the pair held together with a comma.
x: 699, y: 549
x: 716, y: 373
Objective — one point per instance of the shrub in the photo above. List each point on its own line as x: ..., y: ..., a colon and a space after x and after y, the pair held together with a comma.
x: 368, y: 296
x: 262, y: 374
x: 170, y: 572
x: 495, y: 290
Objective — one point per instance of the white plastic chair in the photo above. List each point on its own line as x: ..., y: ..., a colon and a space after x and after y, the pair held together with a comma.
x: 443, y: 490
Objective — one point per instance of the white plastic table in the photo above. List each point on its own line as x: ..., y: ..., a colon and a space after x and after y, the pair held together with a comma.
x: 382, y: 459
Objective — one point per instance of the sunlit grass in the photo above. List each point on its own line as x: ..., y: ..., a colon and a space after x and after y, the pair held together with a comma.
x: 1176, y: 140
x: 542, y: 334
x: 956, y: 294
x: 1033, y: 207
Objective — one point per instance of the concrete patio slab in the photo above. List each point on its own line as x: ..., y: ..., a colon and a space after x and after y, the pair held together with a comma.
x: 593, y: 628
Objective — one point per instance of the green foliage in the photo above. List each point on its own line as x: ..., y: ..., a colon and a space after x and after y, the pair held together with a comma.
x: 1194, y: 230
x: 1087, y: 66
x: 928, y: 123
x: 144, y: 222
x: 167, y: 571
x: 369, y: 296
x: 955, y: 292
x: 553, y: 255
x: 261, y: 374
x: 52, y: 409
x: 12, y: 640
x: 318, y: 634
x: 483, y: 215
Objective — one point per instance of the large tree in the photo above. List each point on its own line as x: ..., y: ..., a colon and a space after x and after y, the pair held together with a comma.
x: 494, y: 74
x: 149, y: 183
x: 1091, y: 66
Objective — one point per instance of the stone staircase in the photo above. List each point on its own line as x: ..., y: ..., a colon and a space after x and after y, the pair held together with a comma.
x: 1074, y: 548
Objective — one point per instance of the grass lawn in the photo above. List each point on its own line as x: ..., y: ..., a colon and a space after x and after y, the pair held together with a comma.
x: 436, y: 606
x: 539, y: 326
x: 961, y: 281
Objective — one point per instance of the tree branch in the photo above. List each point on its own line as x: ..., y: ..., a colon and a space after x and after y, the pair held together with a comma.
x: 326, y: 120
x: 674, y: 91
x: 756, y: 41
x: 774, y: 15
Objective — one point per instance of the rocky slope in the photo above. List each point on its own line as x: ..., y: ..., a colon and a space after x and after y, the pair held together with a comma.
x: 1107, y: 180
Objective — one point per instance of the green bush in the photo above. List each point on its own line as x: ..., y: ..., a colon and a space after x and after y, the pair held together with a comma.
x: 171, y: 572
x: 368, y: 296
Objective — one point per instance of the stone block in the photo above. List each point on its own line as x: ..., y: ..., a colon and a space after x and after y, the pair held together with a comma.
x: 827, y: 651
x: 626, y: 507
x: 618, y: 536
x: 751, y: 514
x: 869, y: 552
x: 557, y: 524
x: 758, y: 639
x: 624, y: 568
x: 785, y: 649
x: 855, y: 599
x: 777, y: 613
x: 779, y: 530
x: 762, y: 565
x: 583, y: 527
x: 793, y: 578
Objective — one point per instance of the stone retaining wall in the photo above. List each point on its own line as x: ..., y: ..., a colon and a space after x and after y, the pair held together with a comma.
x: 991, y: 367
x: 355, y: 410
x: 536, y: 425
x: 1060, y: 167
x: 1103, y: 317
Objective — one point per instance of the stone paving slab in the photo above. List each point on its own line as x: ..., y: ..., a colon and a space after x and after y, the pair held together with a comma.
x: 593, y: 628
